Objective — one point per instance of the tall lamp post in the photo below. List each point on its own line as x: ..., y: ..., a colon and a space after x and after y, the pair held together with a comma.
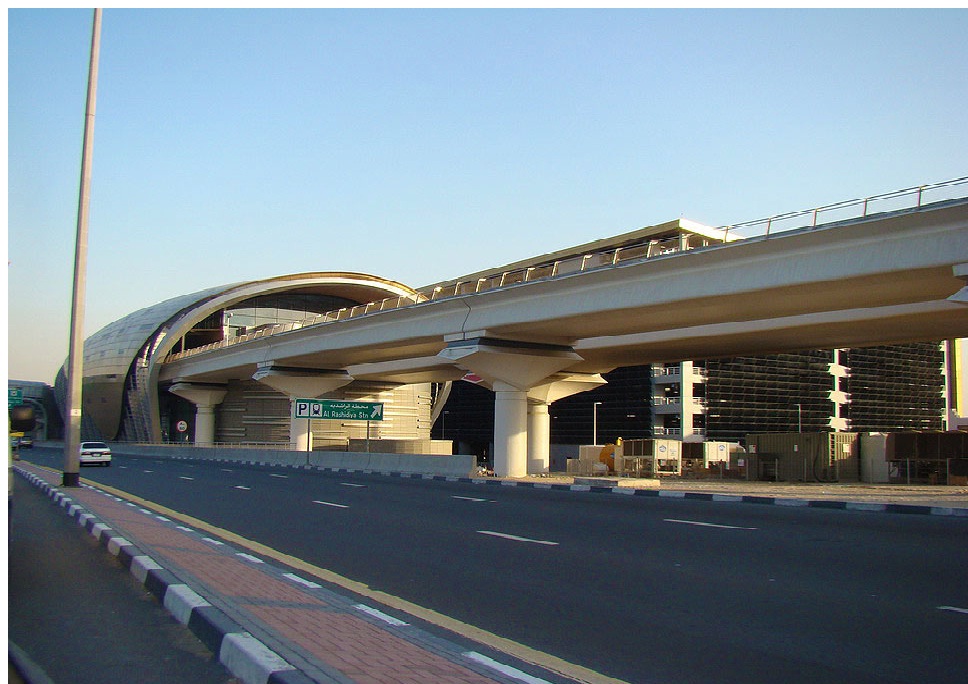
x: 595, y: 422
x: 75, y: 357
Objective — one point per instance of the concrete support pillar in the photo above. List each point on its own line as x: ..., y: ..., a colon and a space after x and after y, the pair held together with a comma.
x: 300, y: 438
x: 540, y: 398
x: 511, y: 369
x: 687, y: 405
x: 539, y: 438
x: 301, y: 383
x: 204, y: 425
x: 510, y: 431
x: 206, y: 398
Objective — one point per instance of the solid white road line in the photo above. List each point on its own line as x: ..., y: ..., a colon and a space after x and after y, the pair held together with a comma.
x: 954, y: 609
x: 514, y: 537
x: 706, y: 524
x: 328, y: 503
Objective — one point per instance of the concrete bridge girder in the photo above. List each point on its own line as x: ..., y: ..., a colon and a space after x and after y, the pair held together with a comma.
x: 879, y: 280
x: 867, y: 276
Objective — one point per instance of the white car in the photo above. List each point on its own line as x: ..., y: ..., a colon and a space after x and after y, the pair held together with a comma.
x: 95, y: 453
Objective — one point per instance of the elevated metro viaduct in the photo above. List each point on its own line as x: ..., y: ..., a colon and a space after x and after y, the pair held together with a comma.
x: 546, y: 328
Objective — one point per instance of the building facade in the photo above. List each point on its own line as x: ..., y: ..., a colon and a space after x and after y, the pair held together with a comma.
x: 877, y: 389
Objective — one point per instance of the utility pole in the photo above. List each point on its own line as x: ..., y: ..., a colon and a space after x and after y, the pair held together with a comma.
x: 75, y: 358
x: 595, y: 422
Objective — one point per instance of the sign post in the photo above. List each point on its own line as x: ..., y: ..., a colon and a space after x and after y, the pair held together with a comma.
x: 329, y: 409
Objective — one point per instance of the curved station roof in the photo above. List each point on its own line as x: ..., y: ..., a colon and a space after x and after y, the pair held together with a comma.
x: 120, y: 359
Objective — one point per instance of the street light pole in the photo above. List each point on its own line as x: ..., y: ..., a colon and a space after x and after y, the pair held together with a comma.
x: 595, y: 422
x: 75, y: 357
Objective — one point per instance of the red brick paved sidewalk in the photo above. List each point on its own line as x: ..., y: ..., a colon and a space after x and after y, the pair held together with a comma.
x: 302, y: 631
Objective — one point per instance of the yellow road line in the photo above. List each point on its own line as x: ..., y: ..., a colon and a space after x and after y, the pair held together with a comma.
x: 527, y: 654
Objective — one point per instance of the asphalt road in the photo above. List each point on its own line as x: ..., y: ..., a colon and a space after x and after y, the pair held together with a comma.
x: 642, y: 589
x: 79, y: 617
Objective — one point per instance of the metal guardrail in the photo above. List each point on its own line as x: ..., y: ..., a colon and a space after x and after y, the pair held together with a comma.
x: 898, y: 200
x: 256, y: 446
x: 906, y: 198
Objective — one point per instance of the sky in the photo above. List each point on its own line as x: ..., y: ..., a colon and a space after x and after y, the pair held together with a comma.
x: 420, y: 145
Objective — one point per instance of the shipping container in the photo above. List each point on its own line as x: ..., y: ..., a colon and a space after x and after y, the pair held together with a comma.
x: 803, y: 457
x: 648, y: 457
x: 873, y: 458
x: 702, y: 459
x: 925, y: 457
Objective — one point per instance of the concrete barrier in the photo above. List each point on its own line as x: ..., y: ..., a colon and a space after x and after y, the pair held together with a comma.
x: 461, y: 465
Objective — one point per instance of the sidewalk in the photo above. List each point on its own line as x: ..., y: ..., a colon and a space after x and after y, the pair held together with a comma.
x: 268, y: 624
x: 891, y: 498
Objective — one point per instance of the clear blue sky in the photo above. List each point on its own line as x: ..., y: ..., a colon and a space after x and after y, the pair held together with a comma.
x: 422, y: 145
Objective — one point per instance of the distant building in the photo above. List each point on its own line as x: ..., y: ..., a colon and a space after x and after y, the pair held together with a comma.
x: 877, y: 389
x: 40, y: 395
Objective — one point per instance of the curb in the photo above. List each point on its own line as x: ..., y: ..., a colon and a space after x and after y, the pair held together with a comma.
x: 238, y: 651
x: 869, y: 507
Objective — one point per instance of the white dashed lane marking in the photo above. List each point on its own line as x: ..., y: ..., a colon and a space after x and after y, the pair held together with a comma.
x: 514, y: 537
x: 329, y: 503
x: 698, y: 523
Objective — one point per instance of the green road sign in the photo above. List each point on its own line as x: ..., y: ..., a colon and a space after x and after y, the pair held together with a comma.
x: 326, y: 409
x: 15, y: 396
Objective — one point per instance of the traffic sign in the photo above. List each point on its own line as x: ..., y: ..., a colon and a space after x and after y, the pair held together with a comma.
x: 326, y: 409
x: 15, y: 396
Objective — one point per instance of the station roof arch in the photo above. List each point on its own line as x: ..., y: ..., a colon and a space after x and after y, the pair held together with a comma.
x: 119, y: 391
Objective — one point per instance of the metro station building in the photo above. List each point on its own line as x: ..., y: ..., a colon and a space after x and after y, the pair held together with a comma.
x: 906, y: 387
x: 124, y: 401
